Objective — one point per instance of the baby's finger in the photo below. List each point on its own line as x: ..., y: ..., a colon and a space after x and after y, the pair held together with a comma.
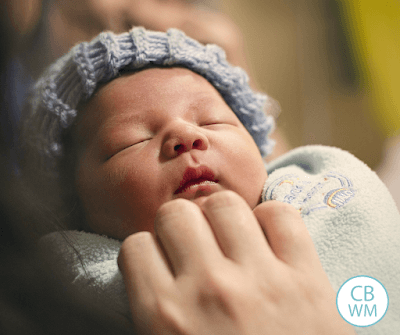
x: 186, y: 236
x: 144, y: 268
x: 236, y: 228
x: 287, y: 234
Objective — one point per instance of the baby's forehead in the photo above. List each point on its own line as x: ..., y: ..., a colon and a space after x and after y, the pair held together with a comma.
x: 132, y: 95
x: 142, y: 90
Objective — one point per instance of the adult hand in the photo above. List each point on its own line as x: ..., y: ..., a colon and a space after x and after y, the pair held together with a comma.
x: 211, y: 270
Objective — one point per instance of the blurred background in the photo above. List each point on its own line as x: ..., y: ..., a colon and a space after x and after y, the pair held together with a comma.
x: 332, y: 64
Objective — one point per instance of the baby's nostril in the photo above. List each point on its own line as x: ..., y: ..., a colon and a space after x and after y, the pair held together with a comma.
x: 197, y: 144
x: 177, y: 147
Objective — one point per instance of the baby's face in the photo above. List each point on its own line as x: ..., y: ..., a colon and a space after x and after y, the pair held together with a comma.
x: 154, y: 136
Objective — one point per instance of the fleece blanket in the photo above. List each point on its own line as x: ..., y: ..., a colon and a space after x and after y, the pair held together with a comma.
x: 352, y: 219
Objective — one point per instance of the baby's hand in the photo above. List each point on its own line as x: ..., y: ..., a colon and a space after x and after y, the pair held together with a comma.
x: 210, y: 270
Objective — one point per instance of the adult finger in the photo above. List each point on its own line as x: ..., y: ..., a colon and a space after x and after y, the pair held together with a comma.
x: 186, y: 236
x: 239, y: 235
x: 287, y: 234
x: 144, y: 268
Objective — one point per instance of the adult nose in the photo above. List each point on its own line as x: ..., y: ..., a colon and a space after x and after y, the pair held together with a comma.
x: 182, y: 137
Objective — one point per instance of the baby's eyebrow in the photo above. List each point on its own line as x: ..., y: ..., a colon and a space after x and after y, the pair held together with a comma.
x: 118, y: 120
x: 115, y: 122
x: 122, y: 119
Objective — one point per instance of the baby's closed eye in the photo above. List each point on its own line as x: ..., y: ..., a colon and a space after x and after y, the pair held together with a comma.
x: 117, y: 148
x: 218, y: 123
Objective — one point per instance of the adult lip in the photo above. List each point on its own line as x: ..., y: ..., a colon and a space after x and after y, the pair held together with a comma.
x: 194, y: 176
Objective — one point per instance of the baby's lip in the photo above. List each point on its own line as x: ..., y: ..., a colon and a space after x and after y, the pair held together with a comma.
x: 193, y: 176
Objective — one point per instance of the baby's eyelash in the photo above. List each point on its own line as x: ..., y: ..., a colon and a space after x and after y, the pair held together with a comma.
x: 127, y: 147
x: 141, y: 141
x: 217, y: 123
x: 210, y: 123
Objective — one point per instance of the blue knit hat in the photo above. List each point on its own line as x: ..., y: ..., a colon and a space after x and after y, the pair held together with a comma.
x: 73, y: 79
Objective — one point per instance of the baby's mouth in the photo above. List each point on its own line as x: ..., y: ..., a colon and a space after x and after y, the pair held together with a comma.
x: 193, y: 183
x: 201, y: 176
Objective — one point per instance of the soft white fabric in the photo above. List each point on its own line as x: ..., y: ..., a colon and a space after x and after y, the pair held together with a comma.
x: 90, y: 264
x: 349, y: 213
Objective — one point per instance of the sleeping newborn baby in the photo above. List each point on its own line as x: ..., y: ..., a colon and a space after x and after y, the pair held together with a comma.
x: 127, y: 122
x: 156, y: 135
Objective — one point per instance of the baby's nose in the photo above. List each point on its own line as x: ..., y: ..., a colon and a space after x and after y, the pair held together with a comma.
x: 183, y: 138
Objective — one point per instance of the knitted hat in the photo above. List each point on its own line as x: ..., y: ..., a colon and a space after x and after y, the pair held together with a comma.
x: 73, y: 79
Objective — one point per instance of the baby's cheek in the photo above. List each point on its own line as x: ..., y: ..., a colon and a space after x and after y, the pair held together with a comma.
x: 248, y: 174
x: 137, y: 204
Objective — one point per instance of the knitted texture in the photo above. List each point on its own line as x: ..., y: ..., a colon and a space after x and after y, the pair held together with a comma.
x: 73, y: 79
